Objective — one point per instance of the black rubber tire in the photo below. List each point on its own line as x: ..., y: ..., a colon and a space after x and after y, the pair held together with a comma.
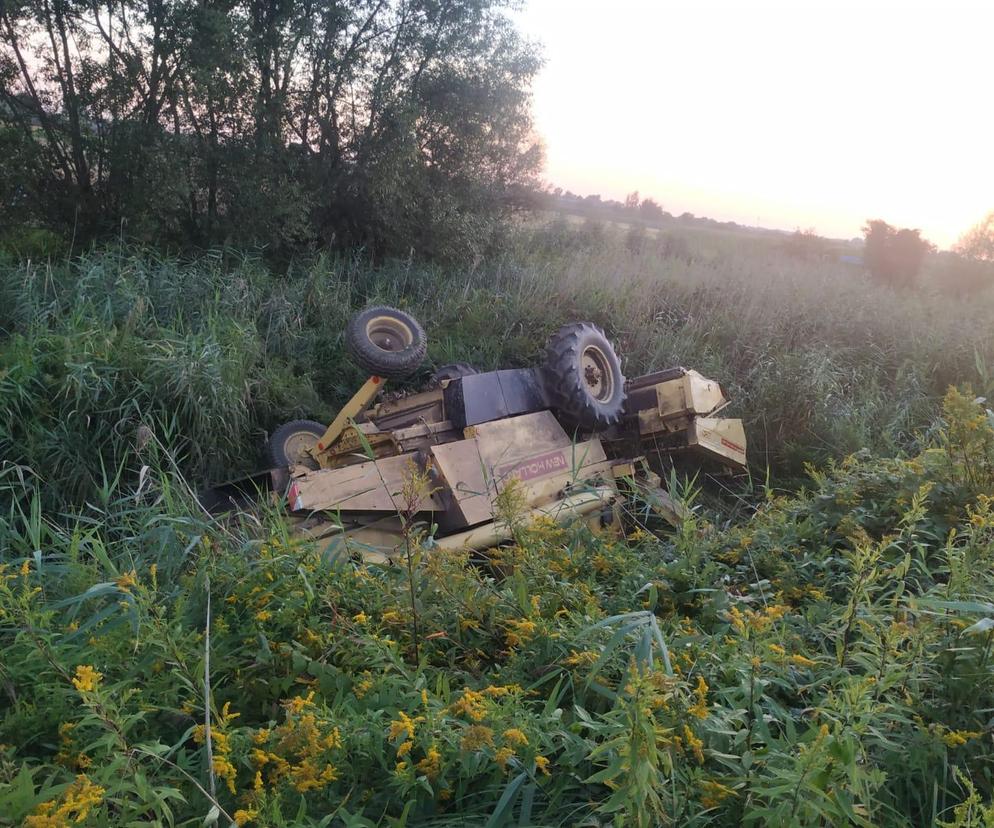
x: 278, y: 449
x: 582, y: 377
x: 452, y: 371
x: 386, y: 342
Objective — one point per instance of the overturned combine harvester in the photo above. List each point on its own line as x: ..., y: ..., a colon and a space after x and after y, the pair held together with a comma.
x: 579, y: 438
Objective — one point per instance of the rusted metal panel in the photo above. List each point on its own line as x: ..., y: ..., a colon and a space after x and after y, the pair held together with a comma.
x: 466, y: 488
x: 424, y: 407
x: 371, y: 486
x: 503, y: 442
x: 721, y: 439
x: 690, y: 395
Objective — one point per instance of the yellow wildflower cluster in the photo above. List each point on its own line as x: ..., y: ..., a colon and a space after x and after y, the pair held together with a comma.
x: 955, y: 738
x: 982, y: 514
x: 714, y: 793
x: 470, y: 704
x: 127, y: 581
x: 796, y: 659
x: 244, y: 816
x: 404, y: 726
x: 299, y: 703
x: 431, y: 765
x: 582, y: 658
x: 476, y: 737
x: 515, y: 737
x: 700, y: 706
x: 504, y: 755
x: 72, y: 807
x: 220, y: 745
x: 520, y: 631
x: 694, y: 744
x: 298, y: 749
x: 364, y: 685
x: 67, y: 755
x: 498, y: 691
x: 86, y: 679
x: 756, y: 620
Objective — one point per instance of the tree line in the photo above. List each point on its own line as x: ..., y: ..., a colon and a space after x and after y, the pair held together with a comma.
x: 395, y: 125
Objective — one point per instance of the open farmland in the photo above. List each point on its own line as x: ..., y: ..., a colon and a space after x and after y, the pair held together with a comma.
x: 812, y: 647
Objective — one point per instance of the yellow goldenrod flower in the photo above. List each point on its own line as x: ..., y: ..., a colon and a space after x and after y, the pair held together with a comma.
x: 74, y: 807
x: 700, y: 706
x: 126, y: 581
x: 542, y: 763
x: 520, y: 631
x: 503, y: 756
x: 86, y: 679
x: 955, y: 738
x: 694, y: 744
x: 714, y: 793
x: 513, y: 736
x: 224, y: 769
x: 476, y: 737
x: 431, y: 765
x: 404, y: 726
x: 470, y: 705
x: 298, y: 703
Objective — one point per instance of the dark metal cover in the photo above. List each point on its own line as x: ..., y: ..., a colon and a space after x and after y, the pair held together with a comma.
x: 480, y: 398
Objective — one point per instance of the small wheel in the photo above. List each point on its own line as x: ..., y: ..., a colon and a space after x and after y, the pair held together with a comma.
x: 452, y: 371
x: 386, y: 342
x: 290, y: 443
x: 582, y: 377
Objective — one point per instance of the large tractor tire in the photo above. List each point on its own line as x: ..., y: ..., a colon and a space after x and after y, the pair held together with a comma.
x: 582, y: 377
x: 386, y: 342
x: 289, y: 445
x: 454, y: 370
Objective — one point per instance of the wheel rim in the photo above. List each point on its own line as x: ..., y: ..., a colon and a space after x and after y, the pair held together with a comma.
x: 389, y: 334
x: 298, y: 444
x: 595, y: 369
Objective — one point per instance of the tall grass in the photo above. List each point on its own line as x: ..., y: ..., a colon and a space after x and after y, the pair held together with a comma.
x: 209, y: 354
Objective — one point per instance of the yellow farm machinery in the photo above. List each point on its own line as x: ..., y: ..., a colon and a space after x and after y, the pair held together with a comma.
x: 573, y: 437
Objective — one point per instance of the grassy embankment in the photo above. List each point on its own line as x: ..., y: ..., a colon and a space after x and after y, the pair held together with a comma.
x: 826, y: 661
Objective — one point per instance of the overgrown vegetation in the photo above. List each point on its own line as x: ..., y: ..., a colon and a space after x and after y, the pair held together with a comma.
x: 823, y: 658
x: 211, y: 353
x: 827, y: 662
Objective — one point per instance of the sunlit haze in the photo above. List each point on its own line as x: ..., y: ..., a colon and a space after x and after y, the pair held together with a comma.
x: 781, y: 114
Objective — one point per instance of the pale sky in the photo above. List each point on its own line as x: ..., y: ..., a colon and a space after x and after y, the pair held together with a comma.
x: 782, y: 114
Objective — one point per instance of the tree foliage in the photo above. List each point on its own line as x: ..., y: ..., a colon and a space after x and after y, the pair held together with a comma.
x: 978, y: 242
x: 893, y: 255
x: 393, y: 124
